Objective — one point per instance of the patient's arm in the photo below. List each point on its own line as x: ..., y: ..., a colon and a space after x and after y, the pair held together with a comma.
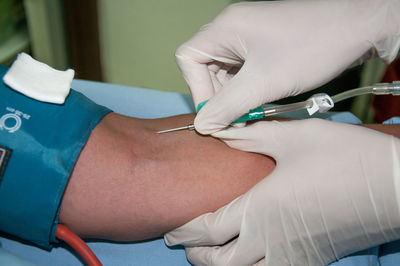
x: 393, y: 129
x: 130, y: 183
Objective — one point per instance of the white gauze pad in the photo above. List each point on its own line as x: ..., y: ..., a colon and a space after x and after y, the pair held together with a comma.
x: 38, y: 80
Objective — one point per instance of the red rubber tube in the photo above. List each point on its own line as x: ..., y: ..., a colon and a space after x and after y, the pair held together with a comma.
x: 78, y: 244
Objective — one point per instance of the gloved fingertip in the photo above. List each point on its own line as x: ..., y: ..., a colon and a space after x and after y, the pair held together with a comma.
x: 206, y: 126
x: 169, y: 240
x: 198, y: 255
x: 174, y: 239
x: 226, y: 134
x: 213, y: 255
x: 184, y: 235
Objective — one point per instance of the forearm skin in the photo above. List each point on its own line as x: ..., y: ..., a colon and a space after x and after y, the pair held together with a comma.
x: 131, y: 183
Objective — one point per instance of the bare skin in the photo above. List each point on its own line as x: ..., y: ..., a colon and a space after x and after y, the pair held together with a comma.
x: 130, y: 183
x: 393, y: 130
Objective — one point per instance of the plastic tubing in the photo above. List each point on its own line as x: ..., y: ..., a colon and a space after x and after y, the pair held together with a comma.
x: 263, y: 111
x: 78, y: 244
x: 279, y: 109
x: 378, y: 89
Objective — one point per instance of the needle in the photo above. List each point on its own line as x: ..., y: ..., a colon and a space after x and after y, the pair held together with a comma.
x: 190, y: 127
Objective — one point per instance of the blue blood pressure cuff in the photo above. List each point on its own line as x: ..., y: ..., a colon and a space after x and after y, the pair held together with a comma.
x: 39, y: 145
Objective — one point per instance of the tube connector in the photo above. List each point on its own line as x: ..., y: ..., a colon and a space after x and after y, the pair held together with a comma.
x: 320, y: 102
x: 387, y: 88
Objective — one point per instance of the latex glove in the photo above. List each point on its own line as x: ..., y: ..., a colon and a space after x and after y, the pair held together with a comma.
x: 335, y: 190
x: 282, y: 48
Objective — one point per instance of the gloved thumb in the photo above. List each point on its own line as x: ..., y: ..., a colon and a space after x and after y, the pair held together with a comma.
x: 263, y: 137
x: 237, y: 97
x: 247, y: 90
x: 211, y: 228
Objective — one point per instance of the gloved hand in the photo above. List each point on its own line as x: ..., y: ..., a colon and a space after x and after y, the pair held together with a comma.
x: 335, y: 190
x: 282, y: 48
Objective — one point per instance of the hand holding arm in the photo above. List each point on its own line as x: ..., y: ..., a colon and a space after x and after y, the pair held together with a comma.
x: 335, y: 190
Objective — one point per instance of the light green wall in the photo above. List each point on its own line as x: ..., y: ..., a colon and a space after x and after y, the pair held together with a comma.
x: 138, y: 39
x: 46, y: 32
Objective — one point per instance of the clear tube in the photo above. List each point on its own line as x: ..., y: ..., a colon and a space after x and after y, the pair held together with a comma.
x: 378, y: 89
x: 274, y: 110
